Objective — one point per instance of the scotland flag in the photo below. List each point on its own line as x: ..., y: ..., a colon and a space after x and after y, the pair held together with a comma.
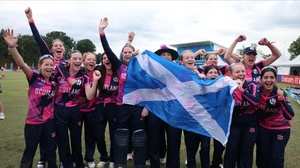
x: 179, y: 97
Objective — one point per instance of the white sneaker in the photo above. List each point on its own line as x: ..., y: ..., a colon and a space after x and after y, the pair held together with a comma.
x: 162, y: 160
x: 148, y: 162
x: 101, y: 164
x: 40, y: 164
x: 74, y: 164
x: 185, y: 162
x: 2, y: 116
x: 129, y: 156
x: 91, y: 165
x: 111, y: 164
x: 61, y: 165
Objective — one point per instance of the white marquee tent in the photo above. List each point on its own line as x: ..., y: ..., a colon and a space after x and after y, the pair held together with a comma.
x: 287, y: 67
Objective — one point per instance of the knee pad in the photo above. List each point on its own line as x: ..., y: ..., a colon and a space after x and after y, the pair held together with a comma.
x: 121, y: 140
x: 139, y: 144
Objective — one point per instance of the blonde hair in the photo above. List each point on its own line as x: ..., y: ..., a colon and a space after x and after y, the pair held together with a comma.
x: 53, y: 41
x: 209, y: 54
x: 86, y: 54
x: 233, y: 65
x: 185, y: 51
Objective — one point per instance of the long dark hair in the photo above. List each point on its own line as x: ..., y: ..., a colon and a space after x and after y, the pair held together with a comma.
x: 268, y: 69
x: 103, y: 73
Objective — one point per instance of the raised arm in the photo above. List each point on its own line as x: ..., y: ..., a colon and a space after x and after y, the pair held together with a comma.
x: 129, y: 41
x: 11, y: 41
x: 199, y: 52
x: 116, y: 63
x: 228, y: 54
x: 275, y: 52
x: 44, y: 49
x: 223, y: 51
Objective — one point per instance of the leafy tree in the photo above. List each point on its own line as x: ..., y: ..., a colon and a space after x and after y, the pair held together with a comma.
x: 98, y: 57
x: 3, y: 48
x: 85, y: 45
x: 29, y: 50
x: 294, y: 49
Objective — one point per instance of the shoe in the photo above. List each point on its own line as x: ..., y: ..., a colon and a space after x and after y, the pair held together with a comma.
x: 40, y: 164
x: 148, y: 162
x: 185, y: 162
x: 111, y: 165
x: 74, y: 164
x: 129, y: 156
x: 91, y: 165
x: 101, y: 164
x: 162, y: 160
x: 61, y: 165
x: 2, y: 116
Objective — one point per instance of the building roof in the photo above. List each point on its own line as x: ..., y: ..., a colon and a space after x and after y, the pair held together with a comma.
x: 196, y: 43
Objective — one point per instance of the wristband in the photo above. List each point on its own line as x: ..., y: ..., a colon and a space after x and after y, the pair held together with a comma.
x: 14, y: 46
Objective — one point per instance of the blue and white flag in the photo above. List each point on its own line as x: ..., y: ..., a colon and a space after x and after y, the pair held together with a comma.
x: 179, y: 97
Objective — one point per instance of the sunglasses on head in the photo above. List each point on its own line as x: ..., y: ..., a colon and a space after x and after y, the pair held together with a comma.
x: 269, y: 67
x: 46, y: 56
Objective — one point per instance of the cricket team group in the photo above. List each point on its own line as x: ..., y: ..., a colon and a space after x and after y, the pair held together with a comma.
x: 64, y: 95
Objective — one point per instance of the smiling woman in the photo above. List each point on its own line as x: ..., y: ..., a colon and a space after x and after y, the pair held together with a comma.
x: 274, y: 115
x: 40, y: 118
x: 253, y: 69
x: 57, y: 46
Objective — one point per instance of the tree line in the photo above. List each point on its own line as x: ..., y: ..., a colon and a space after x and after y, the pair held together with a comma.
x: 30, y: 52
x: 28, y: 48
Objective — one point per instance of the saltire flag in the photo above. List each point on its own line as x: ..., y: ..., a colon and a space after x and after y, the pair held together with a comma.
x: 179, y: 97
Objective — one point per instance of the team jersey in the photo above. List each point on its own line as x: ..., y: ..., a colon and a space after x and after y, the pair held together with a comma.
x: 86, y: 105
x: 41, y: 99
x: 110, y: 89
x: 246, y: 101
x: 68, y: 95
x: 253, y: 74
x: 118, y: 66
x: 274, y: 113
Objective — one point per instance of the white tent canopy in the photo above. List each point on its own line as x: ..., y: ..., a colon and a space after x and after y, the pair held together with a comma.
x: 295, y: 62
x: 282, y: 61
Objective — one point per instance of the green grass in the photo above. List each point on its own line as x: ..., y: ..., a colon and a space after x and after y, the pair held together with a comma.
x: 15, y: 107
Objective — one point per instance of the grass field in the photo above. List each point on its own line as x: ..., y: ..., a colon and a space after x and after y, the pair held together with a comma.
x: 15, y: 107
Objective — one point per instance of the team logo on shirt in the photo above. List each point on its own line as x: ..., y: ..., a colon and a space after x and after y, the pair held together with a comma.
x: 79, y: 123
x: 252, y: 129
x: 272, y: 101
x: 78, y: 82
x: 53, y: 135
x: 255, y: 71
x: 115, y: 79
x: 280, y: 137
x: 123, y: 75
x: 62, y: 80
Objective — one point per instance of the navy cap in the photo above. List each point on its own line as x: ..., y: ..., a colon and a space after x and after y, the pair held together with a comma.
x: 250, y: 50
